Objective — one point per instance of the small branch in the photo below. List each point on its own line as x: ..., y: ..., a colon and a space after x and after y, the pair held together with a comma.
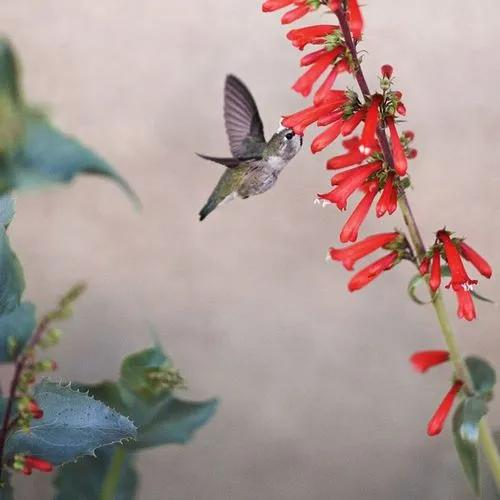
x: 461, y: 372
x: 18, y: 369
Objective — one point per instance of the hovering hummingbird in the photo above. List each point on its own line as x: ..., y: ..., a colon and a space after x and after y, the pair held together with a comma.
x: 255, y: 164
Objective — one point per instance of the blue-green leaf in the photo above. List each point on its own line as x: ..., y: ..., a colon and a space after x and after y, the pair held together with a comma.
x: 7, y: 209
x: 16, y: 328
x: 11, y: 276
x: 73, y: 425
x: 482, y: 374
x: 175, y: 422
x: 46, y: 155
x: 84, y: 479
x: 466, y: 434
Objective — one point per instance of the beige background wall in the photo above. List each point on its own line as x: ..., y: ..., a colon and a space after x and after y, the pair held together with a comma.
x: 318, y: 400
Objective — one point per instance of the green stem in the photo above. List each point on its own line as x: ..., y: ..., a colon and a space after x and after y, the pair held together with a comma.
x: 112, y: 478
x: 490, y: 450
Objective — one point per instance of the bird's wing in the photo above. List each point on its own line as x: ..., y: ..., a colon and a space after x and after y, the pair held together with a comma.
x: 229, y: 162
x: 243, y: 124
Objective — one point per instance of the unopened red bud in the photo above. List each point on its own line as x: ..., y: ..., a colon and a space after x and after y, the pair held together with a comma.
x: 38, y: 463
x: 34, y: 409
x: 401, y: 109
x: 387, y: 71
x: 409, y: 135
x: 413, y: 153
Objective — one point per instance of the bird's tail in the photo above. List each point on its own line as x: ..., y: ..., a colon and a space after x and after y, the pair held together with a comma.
x: 209, y: 206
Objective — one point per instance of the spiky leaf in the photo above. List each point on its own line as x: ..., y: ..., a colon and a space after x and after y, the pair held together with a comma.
x: 73, y: 425
x: 84, y: 479
x: 16, y: 328
x: 466, y: 434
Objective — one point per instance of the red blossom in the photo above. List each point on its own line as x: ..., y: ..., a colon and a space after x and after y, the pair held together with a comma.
x: 368, y: 140
x: 351, y: 254
x: 398, y: 153
x: 436, y: 423
x: 272, y: 5
x: 435, y: 279
x: 423, y: 360
x: 326, y: 137
x: 369, y: 273
x: 295, y: 14
x: 385, y: 203
x: 332, y: 117
x: 351, y: 228
x: 326, y: 86
x: 345, y: 160
x: 346, y: 188
x: 476, y: 260
x: 31, y: 463
x: 314, y: 35
x: 351, y: 123
x: 305, y: 83
x: 355, y: 19
x: 459, y: 277
x: 466, y: 309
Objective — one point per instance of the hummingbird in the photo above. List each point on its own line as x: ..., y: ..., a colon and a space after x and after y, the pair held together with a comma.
x: 255, y: 164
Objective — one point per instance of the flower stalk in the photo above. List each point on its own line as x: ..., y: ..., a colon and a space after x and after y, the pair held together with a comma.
x: 461, y: 372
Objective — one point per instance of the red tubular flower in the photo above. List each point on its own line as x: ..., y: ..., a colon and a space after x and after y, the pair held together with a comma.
x: 436, y: 423
x: 305, y: 83
x: 351, y: 123
x: 37, y: 463
x: 314, y: 35
x: 345, y: 160
x: 341, y: 193
x: 385, y: 203
x: 302, y: 119
x: 34, y: 409
x: 355, y: 19
x: 312, y: 57
x: 476, y: 260
x: 335, y: 4
x: 272, y: 5
x: 459, y: 277
x: 398, y: 153
x: 423, y: 360
x: 368, y: 140
x: 435, y: 279
x: 326, y: 86
x: 369, y: 273
x: 351, y: 254
x: 351, y: 227
x: 466, y: 309
x: 293, y: 15
x: 332, y: 117
x: 424, y: 266
x: 326, y: 137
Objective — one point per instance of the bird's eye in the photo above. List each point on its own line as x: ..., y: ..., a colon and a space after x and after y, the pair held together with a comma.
x: 290, y: 135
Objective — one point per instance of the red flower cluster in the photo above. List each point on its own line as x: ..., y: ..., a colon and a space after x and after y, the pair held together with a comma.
x: 453, y: 251
x: 350, y: 255
x: 366, y: 166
